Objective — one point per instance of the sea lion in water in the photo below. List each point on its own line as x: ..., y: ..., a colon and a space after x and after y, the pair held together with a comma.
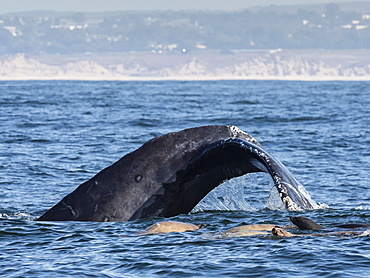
x: 242, y: 233
x: 304, y: 223
x: 256, y: 229
x: 178, y: 227
x: 251, y: 230
x: 281, y: 232
x: 165, y: 227
x: 247, y: 230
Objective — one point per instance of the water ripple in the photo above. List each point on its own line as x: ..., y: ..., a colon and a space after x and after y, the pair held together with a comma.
x: 57, y: 134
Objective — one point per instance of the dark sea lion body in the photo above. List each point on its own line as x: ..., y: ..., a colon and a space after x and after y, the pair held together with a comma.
x: 283, y: 233
x: 304, y: 223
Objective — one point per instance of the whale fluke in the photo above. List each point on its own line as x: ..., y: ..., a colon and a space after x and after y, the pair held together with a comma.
x: 171, y: 173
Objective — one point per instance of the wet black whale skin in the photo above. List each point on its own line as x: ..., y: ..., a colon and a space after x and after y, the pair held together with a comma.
x: 170, y: 174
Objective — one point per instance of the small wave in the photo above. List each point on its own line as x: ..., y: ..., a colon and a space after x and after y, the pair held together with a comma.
x: 244, y: 102
x: 363, y: 207
x: 366, y: 233
x: 16, y: 216
x: 322, y: 206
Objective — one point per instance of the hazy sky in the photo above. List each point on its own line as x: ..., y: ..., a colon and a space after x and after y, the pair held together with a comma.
x: 7, y: 6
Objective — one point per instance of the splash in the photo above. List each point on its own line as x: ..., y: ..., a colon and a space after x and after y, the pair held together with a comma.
x: 250, y: 192
x: 16, y: 216
x: 228, y: 196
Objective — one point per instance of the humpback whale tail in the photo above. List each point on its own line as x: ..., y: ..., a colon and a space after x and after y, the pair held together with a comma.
x: 171, y: 174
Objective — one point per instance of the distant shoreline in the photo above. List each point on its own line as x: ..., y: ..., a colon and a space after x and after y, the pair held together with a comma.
x: 143, y: 79
x: 273, y: 64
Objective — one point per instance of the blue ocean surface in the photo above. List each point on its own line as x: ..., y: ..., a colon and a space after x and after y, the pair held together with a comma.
x: 57, y: 134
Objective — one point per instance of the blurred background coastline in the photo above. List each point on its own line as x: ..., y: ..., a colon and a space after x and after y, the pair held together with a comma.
x: 285, y: 42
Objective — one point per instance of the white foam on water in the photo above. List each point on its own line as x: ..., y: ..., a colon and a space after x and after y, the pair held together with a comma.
x: 17, y: 215
x: 366, y: 233
x: 363, y: 208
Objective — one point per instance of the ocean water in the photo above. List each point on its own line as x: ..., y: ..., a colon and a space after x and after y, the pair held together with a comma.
x: 57, y: 134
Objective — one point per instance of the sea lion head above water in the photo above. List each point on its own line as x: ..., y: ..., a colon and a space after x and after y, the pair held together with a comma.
x: 281, y: 232
x: 304, y: 223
